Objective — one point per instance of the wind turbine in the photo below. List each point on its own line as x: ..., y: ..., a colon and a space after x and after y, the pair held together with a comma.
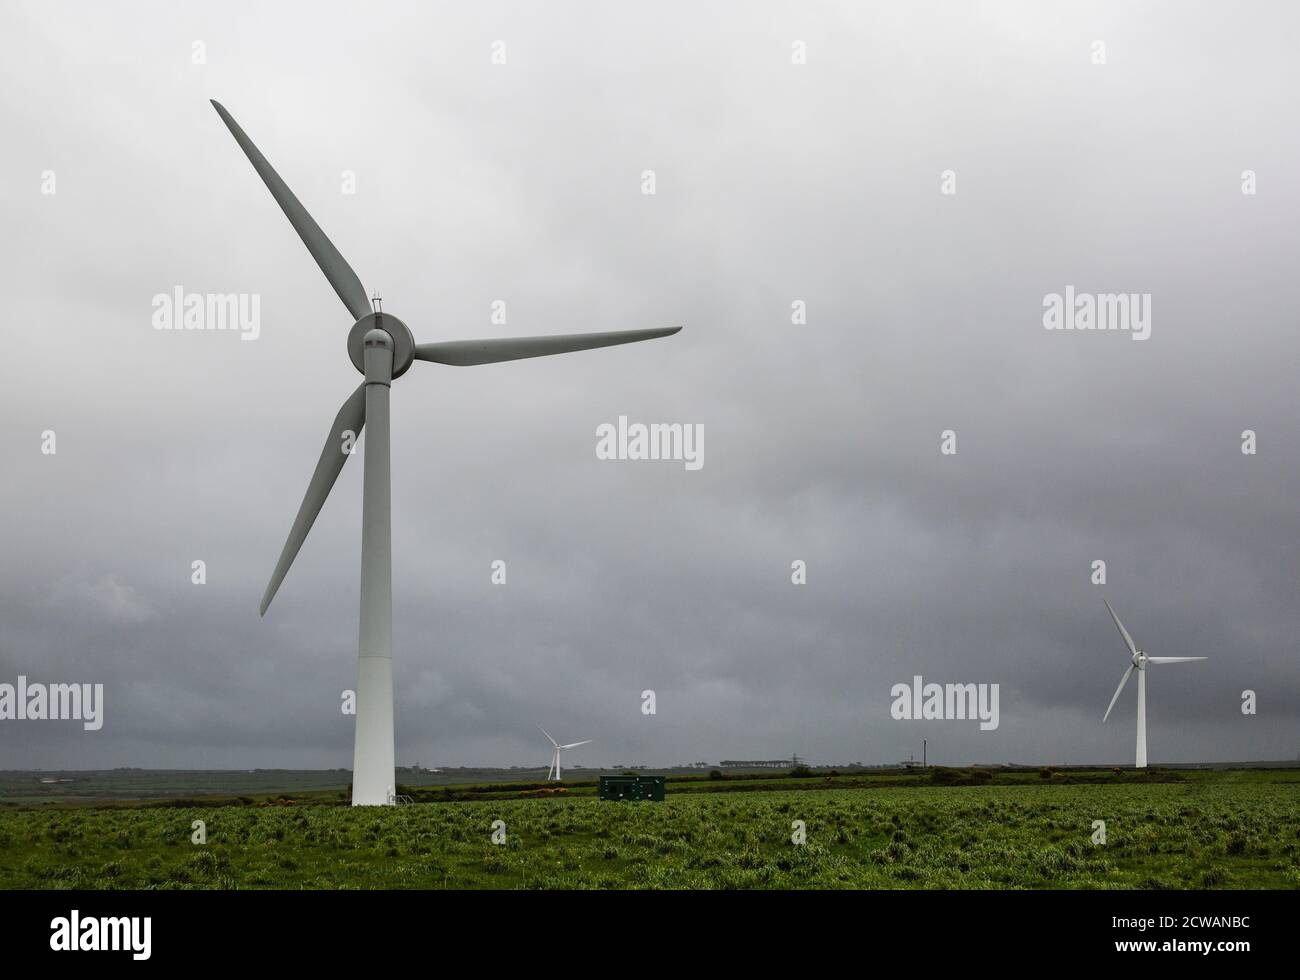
x: 381, y: 348
x: 1140, y: 661
x: 555, y: 757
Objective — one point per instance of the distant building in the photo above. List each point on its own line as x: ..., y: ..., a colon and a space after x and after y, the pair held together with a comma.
x: 756, y: 763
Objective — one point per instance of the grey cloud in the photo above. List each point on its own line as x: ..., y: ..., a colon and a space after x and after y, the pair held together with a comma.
x: 775, y: 183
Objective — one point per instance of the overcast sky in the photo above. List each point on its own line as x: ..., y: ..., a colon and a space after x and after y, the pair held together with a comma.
x: 775, y: 182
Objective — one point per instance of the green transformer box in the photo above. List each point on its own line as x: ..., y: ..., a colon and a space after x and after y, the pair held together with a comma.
x: 631, y: 787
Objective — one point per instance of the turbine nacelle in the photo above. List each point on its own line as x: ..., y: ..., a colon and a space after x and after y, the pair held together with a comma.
x: 403, y: 341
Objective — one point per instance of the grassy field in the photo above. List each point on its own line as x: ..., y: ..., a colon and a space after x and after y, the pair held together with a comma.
x: 1204, y: 830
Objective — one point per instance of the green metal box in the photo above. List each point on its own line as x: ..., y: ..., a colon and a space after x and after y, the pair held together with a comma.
x: 631, y: 787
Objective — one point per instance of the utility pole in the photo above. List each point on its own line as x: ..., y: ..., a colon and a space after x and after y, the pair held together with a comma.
x: 924, y: 745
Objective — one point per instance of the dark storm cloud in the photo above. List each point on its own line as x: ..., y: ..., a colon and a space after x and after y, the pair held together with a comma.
x: 775, y: 183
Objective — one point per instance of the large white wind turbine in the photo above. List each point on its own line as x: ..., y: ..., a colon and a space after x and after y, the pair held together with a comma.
x: 381, y: 348
x: 555, y: 756
x: 1140, y: 661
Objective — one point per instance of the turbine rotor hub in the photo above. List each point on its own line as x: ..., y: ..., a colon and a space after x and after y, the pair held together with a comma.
x: 402, y: 342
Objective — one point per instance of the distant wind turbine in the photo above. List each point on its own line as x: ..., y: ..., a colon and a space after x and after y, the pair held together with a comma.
x: 555, y: 757
x: 381, y: 347
x: 1140, y: 661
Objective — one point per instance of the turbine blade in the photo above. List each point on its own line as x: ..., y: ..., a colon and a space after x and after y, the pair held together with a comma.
x: 574, y: 745
x: 463, y: 353
x: 352, y: 416
x: 1122, y: 681
x: 1128, y: 640
x: 335, y: 267
x: 1173, y: 660
x: 548, y: 736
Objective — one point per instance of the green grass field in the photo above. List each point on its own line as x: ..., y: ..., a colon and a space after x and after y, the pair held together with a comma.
x: 1207, y: 830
